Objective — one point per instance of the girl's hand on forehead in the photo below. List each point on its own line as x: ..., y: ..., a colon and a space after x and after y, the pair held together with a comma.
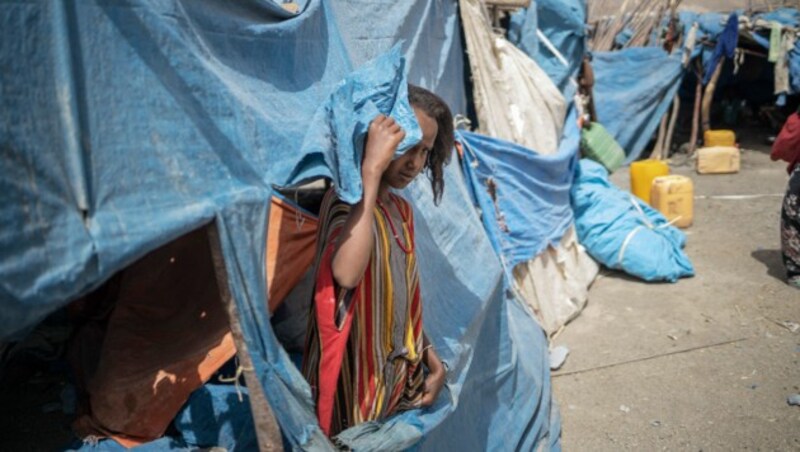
x: 383, y: 137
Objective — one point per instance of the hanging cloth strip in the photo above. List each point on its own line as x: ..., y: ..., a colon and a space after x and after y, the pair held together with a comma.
x: 782, y: 64
x: 726, y: 43
x: 774, y: 41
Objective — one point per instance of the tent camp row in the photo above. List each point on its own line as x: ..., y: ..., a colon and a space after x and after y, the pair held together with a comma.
x: 144, y: 145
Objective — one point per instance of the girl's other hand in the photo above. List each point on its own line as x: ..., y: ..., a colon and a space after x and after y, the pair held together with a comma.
x: 383, y: 137
x: 434, y: 381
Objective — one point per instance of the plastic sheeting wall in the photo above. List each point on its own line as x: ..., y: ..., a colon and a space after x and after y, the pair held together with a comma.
x: 130, y: 123
x: 633, y: 89
x: 563, y: 23
x: 429, y: 33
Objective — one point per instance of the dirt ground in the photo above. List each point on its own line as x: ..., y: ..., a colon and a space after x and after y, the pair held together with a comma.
x: 702, y: 364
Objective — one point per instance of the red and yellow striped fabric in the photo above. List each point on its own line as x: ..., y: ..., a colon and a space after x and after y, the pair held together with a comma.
x: 350, y: 362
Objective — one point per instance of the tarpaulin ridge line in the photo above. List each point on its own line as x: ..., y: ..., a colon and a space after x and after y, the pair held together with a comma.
x: 68, y: 67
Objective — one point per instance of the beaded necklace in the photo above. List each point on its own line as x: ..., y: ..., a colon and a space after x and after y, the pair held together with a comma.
x: 410, y: 248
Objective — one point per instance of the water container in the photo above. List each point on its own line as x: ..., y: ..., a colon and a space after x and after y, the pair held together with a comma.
x: 719, y: 138
x: 600, y: 146
x: 642, y: 174
x: 673, y: 196
x: 718, y: 160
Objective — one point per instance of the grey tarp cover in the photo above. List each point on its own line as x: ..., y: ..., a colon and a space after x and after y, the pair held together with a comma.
x: 126, y: 124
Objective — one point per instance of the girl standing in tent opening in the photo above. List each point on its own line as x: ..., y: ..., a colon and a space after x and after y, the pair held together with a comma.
x: 365, y: 347
x: 787, y: 148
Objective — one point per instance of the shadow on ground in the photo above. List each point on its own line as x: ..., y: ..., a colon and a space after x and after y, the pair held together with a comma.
x: 773, y: 261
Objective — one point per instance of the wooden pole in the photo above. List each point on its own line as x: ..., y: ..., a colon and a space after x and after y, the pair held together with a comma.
x: 676, y: 105
x: 708, y: 96
x: 268, y: 433
x: 662, y: 130
x: 698, y: 96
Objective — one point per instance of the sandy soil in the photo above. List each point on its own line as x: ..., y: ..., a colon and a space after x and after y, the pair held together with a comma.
x: 701, y: 364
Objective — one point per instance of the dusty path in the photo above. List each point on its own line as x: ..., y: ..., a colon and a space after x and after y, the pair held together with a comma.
x: 701, y: 364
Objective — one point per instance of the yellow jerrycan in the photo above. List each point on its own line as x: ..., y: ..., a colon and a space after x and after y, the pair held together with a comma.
x: 673, y: 196
x: 721, y: 137
x: 642, y: 174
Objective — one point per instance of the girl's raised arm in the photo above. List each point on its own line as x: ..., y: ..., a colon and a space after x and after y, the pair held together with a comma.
x: 354, y: 246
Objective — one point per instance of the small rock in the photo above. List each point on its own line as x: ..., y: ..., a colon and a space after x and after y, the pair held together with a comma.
x: 557, y: 357
x: 625, y: 409
x: 793, y: 399
x: 655, y: 423
x: 791, y: 326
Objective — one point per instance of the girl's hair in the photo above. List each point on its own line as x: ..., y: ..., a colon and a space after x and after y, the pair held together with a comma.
x: 434, y: 106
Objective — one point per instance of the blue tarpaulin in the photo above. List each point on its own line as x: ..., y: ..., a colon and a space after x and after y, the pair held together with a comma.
x: 623, y: 232
x: 726, y: 45
x: 127, y: 124
x: 563, y: 23
x: 633, y: 89
x: 711, y: 26
x: 523, y: 196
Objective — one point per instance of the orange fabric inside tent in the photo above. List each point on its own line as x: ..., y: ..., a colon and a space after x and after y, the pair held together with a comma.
x: 291, y: 244
x: 167, y: 331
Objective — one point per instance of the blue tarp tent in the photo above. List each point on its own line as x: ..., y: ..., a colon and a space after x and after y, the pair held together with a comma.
x: 633, y: 89
x: 563, y: 24
x: 130, y: 123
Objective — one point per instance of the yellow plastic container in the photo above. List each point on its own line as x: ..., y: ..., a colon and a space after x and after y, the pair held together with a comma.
x: 718, y: 160
x: 673, y: 196
x: 719, y: 138
x: 642, y: 174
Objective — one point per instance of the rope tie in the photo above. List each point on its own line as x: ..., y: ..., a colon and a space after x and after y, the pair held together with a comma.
x: 299, y: 219
x: 235, y: 379
x: 646, y: 222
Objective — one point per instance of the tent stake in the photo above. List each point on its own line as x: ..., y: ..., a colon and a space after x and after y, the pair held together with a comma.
x: 267, y: 431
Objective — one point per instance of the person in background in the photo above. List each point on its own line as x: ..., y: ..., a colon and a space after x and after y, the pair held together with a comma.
x: 365, y: 348
x: 787, y: 148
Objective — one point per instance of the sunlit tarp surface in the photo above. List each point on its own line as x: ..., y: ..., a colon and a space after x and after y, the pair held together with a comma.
x: 633, y: 89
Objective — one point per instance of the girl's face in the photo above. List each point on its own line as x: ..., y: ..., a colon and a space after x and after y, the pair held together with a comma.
x: 405, y: 168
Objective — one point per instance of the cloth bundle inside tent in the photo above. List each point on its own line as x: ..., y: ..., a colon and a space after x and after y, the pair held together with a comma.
x: 135, y: 123
x: 624, y: 233
x: 291, y: 242
x: 524, y: 202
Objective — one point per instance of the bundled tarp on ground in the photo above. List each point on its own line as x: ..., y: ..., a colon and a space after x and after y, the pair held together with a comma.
x: 129, y: 124
x: 623, y: 232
